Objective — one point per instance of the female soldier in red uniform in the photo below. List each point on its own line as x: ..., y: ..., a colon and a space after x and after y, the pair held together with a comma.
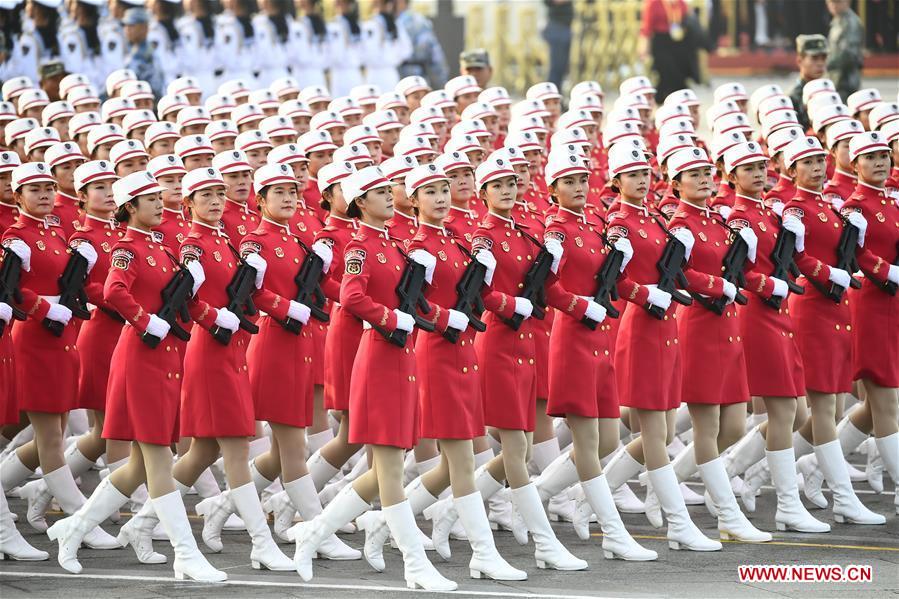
x: 506, y: 356
x: 383, y: 391
x: 711, y: 342
x: 588, y: 402
x: 461, y: 221
x: 344, y: 330
x: 168, y: 170
x: 46, y: 395
x: 822, y: 324
x: 143, y: 402
x: 9, y: 212
x: 280, y: 361
x: 875, y: 312
x: 773, y: 363
x: 98, y: 336
x: 216, y: 401
x: 647, y: 357
x: 452, y: 411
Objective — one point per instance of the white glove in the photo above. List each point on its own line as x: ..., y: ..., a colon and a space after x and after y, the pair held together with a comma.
x: 89, y: 254
x: 426, y: 259
x: 524, y: 307
x: 780, y: 288
x: 859, y: 222
x: 554, y: 247
x: 657, y: 297
x: 323, y: 251
x: 59, y: 313
x: 487, y: 258
x: 298, y: 311
x: 624, y: 246
x: 893, y: 274
x: 196, y: 271
x: 157, y: 327
x: 595, y: 312
x: 21, y: 249
x: 730, y: 291
x: 259, y: 265
x: 5, y: 312
x: 839, y: 276
x: 226, y: 319
x: 837, y: 202
x: 686, y: 238
x: 725, y: 211
x: 752, y: 242
x: 794, y: 225
x: 404, y: 322
x: 777, y: 208
x: 457, y: 321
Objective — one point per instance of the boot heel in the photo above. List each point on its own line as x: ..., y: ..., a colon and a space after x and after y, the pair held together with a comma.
x: 256, y: 565
x: 608, y: 554
x: 476, y: 574
x: 839, y: 518
x: 781, y: 526
x: 674, y: 545
x: 541, y: 564
x: 726, y: 536
x: 179, y: 575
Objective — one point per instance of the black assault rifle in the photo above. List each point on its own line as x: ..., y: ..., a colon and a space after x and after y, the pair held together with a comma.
x: 10, y: 273
x: 410, y: 290
x: 175, y: 296
x: 534, y: 284
x: 71, y: 292
x: 309, y: 290
x: 469, y: 301
x: 240, y: 300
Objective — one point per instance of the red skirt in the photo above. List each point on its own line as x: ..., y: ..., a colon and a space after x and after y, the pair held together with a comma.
x: 714, y: 366
x: 875, y: 335
x: 319, y: 332
x: 46, y: 367
x: 647, y: 360
x: 341, y: 345
x: 773, y: 362
x: 280, y: 367
x: 96, y: 342
x: 449, y: 387
x: 144, y: 390
x: 542, y: 330
x: 9, y: 407
x: 573, y: 348
x: 509, y: 384
x: 824, y: 334
x: 216, y: 400
x: 383, y: 394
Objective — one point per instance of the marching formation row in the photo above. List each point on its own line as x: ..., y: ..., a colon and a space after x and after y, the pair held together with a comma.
x: 310, y: 287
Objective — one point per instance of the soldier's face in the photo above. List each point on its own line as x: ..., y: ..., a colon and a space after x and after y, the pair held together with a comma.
x: 461, y: 184
x: 280, y: 202
x: 6, y: 186
x: 873, y: 168
x: 809, y: 172
x: 634, y: 185
x: 812, y: 66
x: 172, y: 194
x: 64, y: 174
x: 377, y: 204
x: 695, y: 184
x: 571, y: 191
x: 98, y: 199
x: 132, y: 165
x: 433, y: 202
x: 500, y: 194
x: 749, y: 179
x: 163, y: 146
x: 36, y: 198
x: 238, y: 185
x: 208, y: 204
x: 301, y: 174
x: 840, y: 153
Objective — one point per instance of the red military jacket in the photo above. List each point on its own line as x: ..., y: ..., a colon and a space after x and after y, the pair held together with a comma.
x: 882, y: 236
x: 782, y: 191
x: 49, y: 256
x: 103, y: 235
x: 209, y: 245
x: 402, y: 227
x: 514, y: 253
x: 9, y: 214
x: 462, y: 223
x: 239, y: 219
x: 337, y: 233
x: 306, y: 222
x: 140, y: 268
x: 840, y: 187
x: 373, y: 266
x: 65, y: 207
x: 283, y: 253
x: 583, y: 254
x: 174, y: 227
x: 451, y: 263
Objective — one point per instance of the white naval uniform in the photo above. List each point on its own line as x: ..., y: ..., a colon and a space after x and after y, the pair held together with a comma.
x: 382, y: 54
x: 346, y: 57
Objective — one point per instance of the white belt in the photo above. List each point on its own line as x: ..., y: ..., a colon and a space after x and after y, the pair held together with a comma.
x: 53, y: 299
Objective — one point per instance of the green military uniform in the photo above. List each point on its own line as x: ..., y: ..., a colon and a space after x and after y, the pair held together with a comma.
x: 846, y: 37
x: 806, y: 44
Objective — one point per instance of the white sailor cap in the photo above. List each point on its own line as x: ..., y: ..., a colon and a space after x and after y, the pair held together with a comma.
x: 390, y: 100
x: 821, y: 100
x: 116, y: 107
x: 361, y: 182
x: 220, y: 105
x: 587, y: 87
x: 863, y: 99
x: 637, y: 101
x: 160, y: 130
x: 83, y: 95
x: 545, y: 90
x: 358, y: 154
x: 138, y: 118
x: 570, y: 136
x: 294, y: 108
x: 382, y: 120
x: 743, y: 153
x: 133, y: 186
x: 526, y: 141
x: 286, y: 154
x: 827, y: 115
x: 427, y: 114
x: 117, y: 78
x: 31, y: 172
x: 272, y: 174
x: 94, y: 170
x: 475, y: 127
x: 315, y: 141
x: 843, y: 130
x: 723, y: 142
x: 8, y: 161
x: 730, y: 91
x: 200, y: 179
x: 491, y: 170
x: 478, y: 110
x: 137, y: 90
x: 345, y: 106
x: 171, y: 103
x: 450, y: 161
x: 685, y: 97
x: 412, y: 84
x: 670, y: 144
x: 615, y: 131
x: 463, y: 84
x: 263, y: 98
x: 624, y: 158
x: 193, y: 145
x: 866, y: 143
x: 334, y: 172
x: 102, y: 134
x: 439, y: 98
x: 676, y: 126
x: 514, y: 155
x: 365, y: 94
x: 779, y: 120
x: 13, y: 88
x: 781, y: 138
x: 815, y: 87
x: 252, y: 140
x: 231, y: 161
x: 326, y: 119
x: 56, y: 110
x: 40, y: 137
x: 32, y: 98
x: 529, y: 108
x: 126, y: 150
x: 425, y: 130
x: 220, y: 129
x: 166, y: 164
x: 277, y: 126
x: 882, y: 114
x: 668, y: 112
x: 562, y: 163
x: 422, y: 175
x: 763, y: 93
x: 773, y: 105
x: 184, y: 85
x: 236, y: 88
x: 361, y: 134
x: 71, y: 82
x: 61, y: 152
x: 414, y: 146
x: 495, y: 96
x: 636, y: 85
x: 7, y: 112
x: 284, y: 86
x: 688, y: 159
x: 315, y: 94
x: 18, y: 128
x: 889, y: 130
x: 463, y: 143
x: 802, y: 148
x: 592, y: 103
x: 247, y: 113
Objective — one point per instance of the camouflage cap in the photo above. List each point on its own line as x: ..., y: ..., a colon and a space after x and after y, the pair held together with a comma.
x: 473, y: 59
x: 811, y: 44
x: 52, y: 68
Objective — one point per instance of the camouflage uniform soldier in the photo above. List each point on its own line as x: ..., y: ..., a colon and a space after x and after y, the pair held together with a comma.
x: 846, y: 39
x: 811, y: 59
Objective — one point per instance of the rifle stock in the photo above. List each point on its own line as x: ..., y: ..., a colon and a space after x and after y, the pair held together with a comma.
x: 10, y: 293
x: 71, y: 292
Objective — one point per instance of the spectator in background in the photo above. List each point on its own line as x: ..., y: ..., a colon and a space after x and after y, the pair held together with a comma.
x: 477, y: 64
x: 846, y: 38
x: 664, y: 36
x: 560, y: 14
x: 812, y: 62
x: 139, y: 55
x: 428, y: 59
